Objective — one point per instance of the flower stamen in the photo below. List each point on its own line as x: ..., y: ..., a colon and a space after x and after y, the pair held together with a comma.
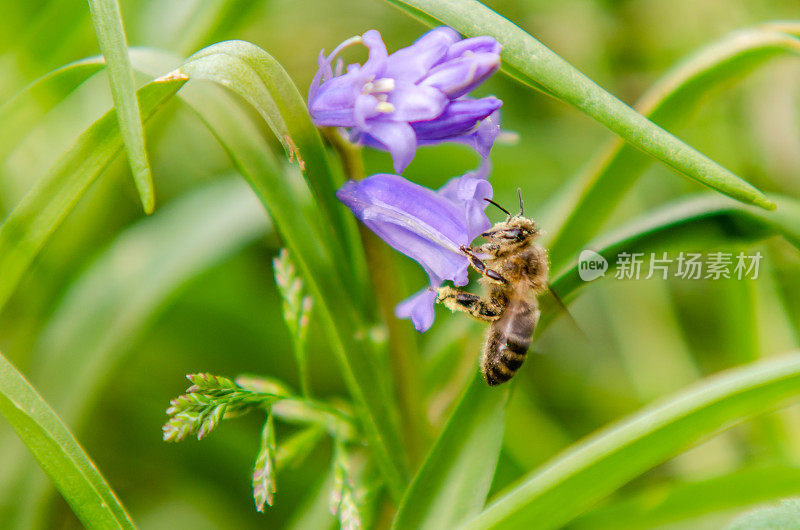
x: 384, y: 84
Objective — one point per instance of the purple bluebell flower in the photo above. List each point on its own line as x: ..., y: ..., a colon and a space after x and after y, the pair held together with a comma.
x: 415, y: 96
x: 426, y: 225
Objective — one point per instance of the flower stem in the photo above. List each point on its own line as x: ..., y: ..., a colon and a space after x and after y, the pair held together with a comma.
x: 402, y: 340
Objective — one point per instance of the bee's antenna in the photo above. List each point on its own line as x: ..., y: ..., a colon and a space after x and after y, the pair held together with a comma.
x: 490, y: 201
x: 521, y: 206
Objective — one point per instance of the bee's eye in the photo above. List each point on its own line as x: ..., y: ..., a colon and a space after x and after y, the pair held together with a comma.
x: 513, y: 234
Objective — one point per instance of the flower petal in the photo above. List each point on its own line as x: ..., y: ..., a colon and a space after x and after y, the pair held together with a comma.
x: 396, y: 137
x: 484, y: 44
x: 414, y: 220
x: 484, y: 136
x: 419, y: 308
x: 324, y: 72
x: 477, y: 221
x: 400, y: 101
x: 471, y: 191
x: 413, y: 62
x: 332, y: 100
x: 365, y: 108
x: 376, y: 62
x: 463, y: 74
x: 416, y: 103
x: 458, y: 119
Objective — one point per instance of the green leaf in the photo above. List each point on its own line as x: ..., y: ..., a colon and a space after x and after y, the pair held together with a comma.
x: 294, y: 449
x: 453, y: 482
x: 533, y: 63
x: 699, y: 222
x: 588, y: 202
x: 685, y: 500
x: 308, y: 236
x: 107, y: 21
x: 108, y: 306
x: 20, y: 113
x: 264, y: 469
x: 184, y: 28
x: 257, y: 77
x: 344, y: 502
x: 783, y: 517
x: 30, y: 224
x: 375, y: 403
x: 296, y: 311
x: 314, y: 511
x: 58, y: 453
x: 576, y: 479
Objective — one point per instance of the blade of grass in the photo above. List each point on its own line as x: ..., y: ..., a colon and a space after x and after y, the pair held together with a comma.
x: 453, y: 482
x: 684, y: 501
x: 572, y: 482
x: 531, y: 62
x: 701, y: 219
x: 376, y: 405
x: 42, y: 209
x: 186, y: 27
x: 784, y: 515
x: 699, y: 222
x: 108, y: 306
x: 107, y: 21
x: 314, y: 511
x: 309, y: 239
x: 58, y: 453
x: 256, y: 76
x: 259, y: 79
x: 581, y: 210
x: 20, y: 113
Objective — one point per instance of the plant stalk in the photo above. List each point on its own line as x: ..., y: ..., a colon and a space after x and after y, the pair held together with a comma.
x: 402, y: 340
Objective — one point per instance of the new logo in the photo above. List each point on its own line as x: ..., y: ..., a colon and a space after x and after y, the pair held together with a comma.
x: 591, y: 265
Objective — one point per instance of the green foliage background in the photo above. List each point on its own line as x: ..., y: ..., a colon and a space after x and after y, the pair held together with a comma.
x: 191, y: 289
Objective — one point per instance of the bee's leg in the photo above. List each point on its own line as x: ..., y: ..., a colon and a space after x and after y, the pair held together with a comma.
x: 478, y: 264
x: 458, y: 300
x: 486, y: 248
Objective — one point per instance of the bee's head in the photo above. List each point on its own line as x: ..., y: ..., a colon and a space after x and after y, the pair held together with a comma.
x: 514, y: 230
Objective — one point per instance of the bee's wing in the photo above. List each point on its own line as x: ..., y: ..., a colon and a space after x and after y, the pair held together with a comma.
x: 563, y: 308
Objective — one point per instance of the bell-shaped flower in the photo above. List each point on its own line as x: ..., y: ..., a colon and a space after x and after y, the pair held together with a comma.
x: 426, y: 225
x: 415, y: 96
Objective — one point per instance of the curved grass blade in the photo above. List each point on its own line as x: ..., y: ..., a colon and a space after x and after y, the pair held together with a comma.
x: 256, y: 76
x: 790, y: 27
x: 187, y: 27
x: 306, y: 235
x: 684, y: 501
x: 700, y: 222
x: 110, y: 305
x: 108, y: 26
x: 531, y: 62
x: 575, y: 480
x: 367, y: 384
x: 589, y: 201
x: 785, y: 515
x: 314, y: 511
x: 453, y: 482
x: 58, y: 453
x: 19, y: 114
x: 42, y: 209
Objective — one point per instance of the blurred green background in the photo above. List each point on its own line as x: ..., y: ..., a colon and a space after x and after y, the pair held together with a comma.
x: 190, y: 289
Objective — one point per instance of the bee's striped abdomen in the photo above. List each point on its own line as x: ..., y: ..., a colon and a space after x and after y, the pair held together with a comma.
x: 508, y: 341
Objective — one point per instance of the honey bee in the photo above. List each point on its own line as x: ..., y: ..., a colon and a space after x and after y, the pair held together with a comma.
x: 514, y: 269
